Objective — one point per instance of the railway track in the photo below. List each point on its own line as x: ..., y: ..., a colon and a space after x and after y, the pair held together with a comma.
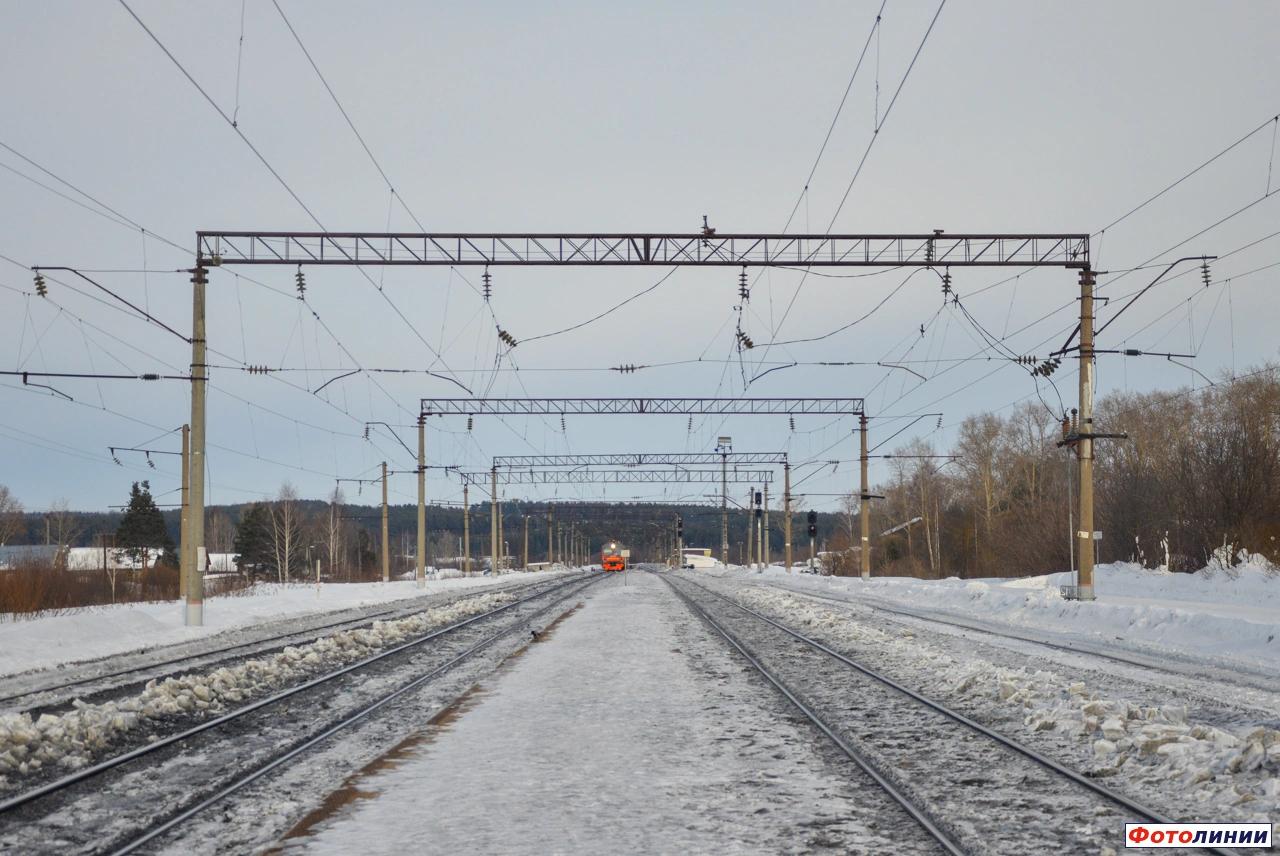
x: 46, y: 697
x: 1238, y: 676
x: 128, y: 801
x: 960, y: 780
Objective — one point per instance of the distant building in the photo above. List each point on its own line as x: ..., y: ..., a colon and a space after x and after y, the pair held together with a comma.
x: 19, y: 554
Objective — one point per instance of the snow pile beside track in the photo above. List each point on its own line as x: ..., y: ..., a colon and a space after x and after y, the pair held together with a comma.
x: 1229, y: 617
x: 71, y: 739
x: 1114, y: 736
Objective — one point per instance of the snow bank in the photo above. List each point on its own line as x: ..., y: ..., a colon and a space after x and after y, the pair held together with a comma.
x: 71, y: 739
x: 1224, y: 617
x: 1141, y: 744
x: 102, y: 631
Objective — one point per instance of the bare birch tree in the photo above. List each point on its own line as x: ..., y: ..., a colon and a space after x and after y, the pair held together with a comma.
x: 286, y: 531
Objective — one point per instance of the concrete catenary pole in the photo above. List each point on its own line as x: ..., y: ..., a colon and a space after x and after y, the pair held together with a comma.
x: 764, y: 554
x: 864, y: 506
x: 386, y: 532
x: 551, y: 544
x: 525, y: 563
x: 573, y: 543
x: 194, y: 614
x: 1084, y: 448
x: 747, y: 556
x: 184, y: 538
x: 724, y: 507
x: 502, y: 535
x: 466, y: 527
x: 759, y: 513
x: 786, y: 515
x: 493, y: 520
x: 422, y: 501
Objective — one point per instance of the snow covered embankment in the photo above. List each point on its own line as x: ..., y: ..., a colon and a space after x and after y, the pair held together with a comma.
x: 71, y: 739
x: 1220, y: 617
x: 1143, y: 745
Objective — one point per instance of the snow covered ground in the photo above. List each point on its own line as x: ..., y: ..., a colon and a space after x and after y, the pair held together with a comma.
x: 1151, y: 747
x: 107, y: 630
x: 1210, y: 616
x: 72, y: 738
x: 629, y: 731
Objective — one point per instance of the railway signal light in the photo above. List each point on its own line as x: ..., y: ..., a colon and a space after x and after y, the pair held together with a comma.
x: 813, y: 524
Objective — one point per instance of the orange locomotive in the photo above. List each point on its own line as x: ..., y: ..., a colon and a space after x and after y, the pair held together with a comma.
x: 612, y: 558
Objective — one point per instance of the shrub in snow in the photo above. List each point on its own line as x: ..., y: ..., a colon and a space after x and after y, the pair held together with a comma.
x: 71, y: 739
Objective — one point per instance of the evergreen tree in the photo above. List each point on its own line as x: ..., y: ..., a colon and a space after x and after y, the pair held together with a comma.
x: 253, y: 542
x: 142, y: 532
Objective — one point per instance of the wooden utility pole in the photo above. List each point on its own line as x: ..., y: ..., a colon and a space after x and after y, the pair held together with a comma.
x: 786, y: 514
x: 422, y: 501
x: 864, y: 505
x: 493, y: 520
x: 466, y: 529
x: 386, y: 537
x: 194, y: 613
x: 1084, y: 447
x: 185, y: 564
x: 525, y: 563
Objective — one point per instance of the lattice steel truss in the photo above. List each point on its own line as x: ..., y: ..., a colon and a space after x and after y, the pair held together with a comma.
x: 639, y: 406
x: 215, y: 247
x: 672, y: 476
x: 639, y: 459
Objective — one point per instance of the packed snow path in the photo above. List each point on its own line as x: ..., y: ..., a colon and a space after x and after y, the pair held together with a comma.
x: 629, y: 729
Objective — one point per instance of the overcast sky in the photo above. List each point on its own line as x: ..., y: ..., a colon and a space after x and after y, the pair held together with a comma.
x: 1017, y: 117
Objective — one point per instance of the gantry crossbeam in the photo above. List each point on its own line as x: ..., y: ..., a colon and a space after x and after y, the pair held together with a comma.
x: 639, y: 406
x: 643, y: 248
x: 640, y: 459
x: 673, y: 476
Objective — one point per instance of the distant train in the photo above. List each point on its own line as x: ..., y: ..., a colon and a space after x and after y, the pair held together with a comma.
x: 613, y: 556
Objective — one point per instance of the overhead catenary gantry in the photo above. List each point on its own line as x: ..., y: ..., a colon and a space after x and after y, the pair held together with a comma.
x: 642, y: 248
x: 706, y: 248
x: 639, y: 459
x: 672, y: 476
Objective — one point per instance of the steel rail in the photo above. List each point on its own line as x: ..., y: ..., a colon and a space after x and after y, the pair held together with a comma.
x: 357, y: 621
x: 244, y: 781
x: 854, y: 755
x: 111, y: 763
x: 1008, y: 742
x: 955, y: 621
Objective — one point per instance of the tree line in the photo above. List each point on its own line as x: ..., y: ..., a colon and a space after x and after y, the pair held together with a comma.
x: 1196, y: 482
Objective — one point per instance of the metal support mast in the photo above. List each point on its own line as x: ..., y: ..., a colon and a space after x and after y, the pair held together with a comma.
x: 493, y: 521
x: 864, y: 507
x: 466, y: 529
x: 422, y: 501
x: 764, y: 545
x: 386, y: 536
x: 786, y: 515
x: 185, y: 564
